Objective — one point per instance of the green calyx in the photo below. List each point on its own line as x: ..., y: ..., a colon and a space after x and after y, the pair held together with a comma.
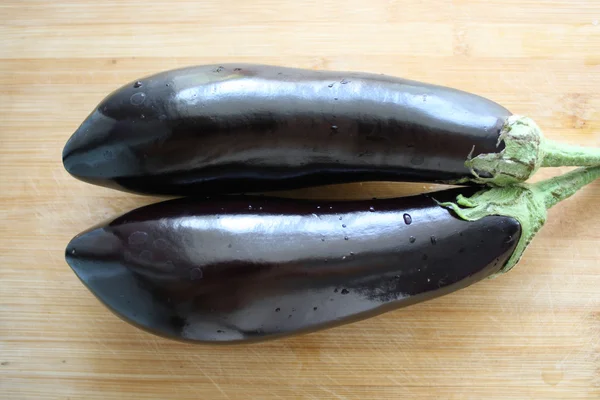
x: 525, y: 151
x: 520, y: 159
x: 518, y: 201
x: 527, y: 203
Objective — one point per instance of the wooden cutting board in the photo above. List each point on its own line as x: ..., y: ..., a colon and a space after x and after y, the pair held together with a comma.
x: 531, y: 334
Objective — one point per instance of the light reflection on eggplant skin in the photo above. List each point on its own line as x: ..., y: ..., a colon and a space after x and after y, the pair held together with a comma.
x: 242, y: 268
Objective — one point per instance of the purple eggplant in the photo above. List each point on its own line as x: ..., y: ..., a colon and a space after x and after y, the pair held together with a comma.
x: 247, y: 268
x: 236, y: 128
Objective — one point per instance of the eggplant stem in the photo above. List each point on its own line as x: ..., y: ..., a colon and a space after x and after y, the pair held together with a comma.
x: 525, y: 151
x: 527, y: 203
x: 517, y: 162
x: 559, y: 188
x: 558, y: 154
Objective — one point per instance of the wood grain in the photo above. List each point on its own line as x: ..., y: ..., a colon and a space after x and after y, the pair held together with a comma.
x: 531, y: 334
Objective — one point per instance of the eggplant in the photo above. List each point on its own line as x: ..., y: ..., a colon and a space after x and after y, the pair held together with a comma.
x: 242, y: 128
x: 238, y: 268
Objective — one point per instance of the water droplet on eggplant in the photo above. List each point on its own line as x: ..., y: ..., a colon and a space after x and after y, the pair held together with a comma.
x: 137, y: 238
x: 412, y: 239
x: 137, y: 84
x: 345, y: 291
x: 137, y: 99
x: 195, y: 274
x: 407, y: 219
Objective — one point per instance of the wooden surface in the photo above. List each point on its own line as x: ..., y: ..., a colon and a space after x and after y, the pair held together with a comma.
x: 531, y: 334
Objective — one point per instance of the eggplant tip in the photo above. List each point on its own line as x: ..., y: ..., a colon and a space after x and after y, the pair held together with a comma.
x: 84, y: 156
x: 95, y: 257
x: 91, y: 249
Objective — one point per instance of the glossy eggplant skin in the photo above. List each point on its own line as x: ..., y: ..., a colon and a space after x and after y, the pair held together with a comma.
x: 241, y: 128
x: 249, y: 268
